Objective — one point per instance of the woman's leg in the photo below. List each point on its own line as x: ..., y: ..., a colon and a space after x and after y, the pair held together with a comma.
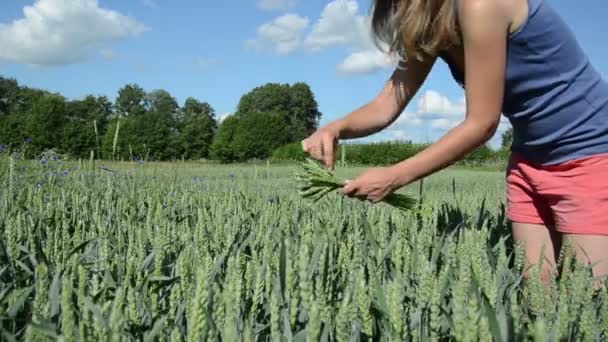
x: 541, y: 244
x: 591, y: 250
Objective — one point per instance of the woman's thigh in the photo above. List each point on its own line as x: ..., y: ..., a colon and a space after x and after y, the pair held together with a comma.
x: 541, y: 246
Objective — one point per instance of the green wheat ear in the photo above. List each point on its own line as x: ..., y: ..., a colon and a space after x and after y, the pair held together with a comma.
x: 316, y: 182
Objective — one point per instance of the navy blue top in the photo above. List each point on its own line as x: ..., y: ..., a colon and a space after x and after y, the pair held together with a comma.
x: 555, y: 100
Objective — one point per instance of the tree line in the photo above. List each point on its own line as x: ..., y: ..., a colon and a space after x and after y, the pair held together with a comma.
x: 152, y: 125
x: 269, y: 122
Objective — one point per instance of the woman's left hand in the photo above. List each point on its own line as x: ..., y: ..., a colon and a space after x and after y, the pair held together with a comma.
x: 374, y: 184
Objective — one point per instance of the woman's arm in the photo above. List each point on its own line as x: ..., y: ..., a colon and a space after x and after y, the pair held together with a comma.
x: 372, y: 117
x: 385, y: 108
x: 484, y: 28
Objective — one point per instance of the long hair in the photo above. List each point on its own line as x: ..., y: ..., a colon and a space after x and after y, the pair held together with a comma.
x: 415, y: 28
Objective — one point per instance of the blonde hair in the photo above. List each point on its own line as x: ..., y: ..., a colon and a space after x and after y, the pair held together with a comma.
x: 415, y: 28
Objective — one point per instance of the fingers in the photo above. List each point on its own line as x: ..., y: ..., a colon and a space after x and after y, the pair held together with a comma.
x: 321, y: 148
x: 312, y: 148
x: 349, y: 187
x: 328, y: 151
x: 353, y: 189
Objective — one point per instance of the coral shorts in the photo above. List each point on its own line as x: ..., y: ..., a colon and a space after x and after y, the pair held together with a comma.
x: 571, y: 197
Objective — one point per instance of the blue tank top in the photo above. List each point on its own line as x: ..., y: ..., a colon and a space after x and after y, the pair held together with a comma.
x: 555, y: 100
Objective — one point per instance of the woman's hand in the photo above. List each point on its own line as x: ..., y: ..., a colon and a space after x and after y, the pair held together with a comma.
x: 375, y: 184
x: 322, y: 145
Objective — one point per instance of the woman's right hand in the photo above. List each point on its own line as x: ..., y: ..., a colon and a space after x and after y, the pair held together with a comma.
x: 322, y: 145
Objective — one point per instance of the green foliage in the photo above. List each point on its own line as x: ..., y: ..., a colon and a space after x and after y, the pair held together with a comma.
x: 252, y: 136
x: 197, y: 129
x: 131, y: 101
x: 295, y: 103
x: 387, y: 153
x: 46, y: 122
x: 379, y: 153
x: 289, y: 152
x: 9, y: 91
x: 270, y: 122
x: 222, y: 147
x: 507, y: 138
x: 480, y: 155
x: 258, y: 134
x: 82, y: 138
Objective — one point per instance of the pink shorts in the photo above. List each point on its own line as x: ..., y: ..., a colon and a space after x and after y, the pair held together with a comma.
x: 571, y: 197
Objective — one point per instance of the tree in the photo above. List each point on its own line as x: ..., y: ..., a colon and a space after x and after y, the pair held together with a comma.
x: 305, y: 114
x: 258, y: 134
x: 131, y: 101
x: 47, y: 119
x: 252, y: 136
x: 161, y: 101
x: 16, y: 114
x: 9, y: 91
x: 295, y: 104
x: 222, y: 148
x: 197, y: 129
x: 507, y: 138
x: 86, y: 124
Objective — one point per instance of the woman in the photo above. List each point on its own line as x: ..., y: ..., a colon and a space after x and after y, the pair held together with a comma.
x: 518, y: 58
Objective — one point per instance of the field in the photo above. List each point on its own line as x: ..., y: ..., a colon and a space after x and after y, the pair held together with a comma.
x: 192, y: 252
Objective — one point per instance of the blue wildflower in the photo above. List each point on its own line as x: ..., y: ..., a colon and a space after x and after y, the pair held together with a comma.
x: 28, y: 140
x: 232, y: 175
x: 66, y: 172
x: 43, y: 161
x: 2, y: 148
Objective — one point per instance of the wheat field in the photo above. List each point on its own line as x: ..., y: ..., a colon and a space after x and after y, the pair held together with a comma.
x: 94, y: 251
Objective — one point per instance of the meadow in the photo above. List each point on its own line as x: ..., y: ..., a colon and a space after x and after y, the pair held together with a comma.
x: 134, y: 251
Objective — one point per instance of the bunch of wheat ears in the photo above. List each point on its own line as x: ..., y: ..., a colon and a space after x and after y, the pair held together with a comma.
x: 317, y: 182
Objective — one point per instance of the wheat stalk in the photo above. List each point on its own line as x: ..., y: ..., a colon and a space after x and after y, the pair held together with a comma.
x: 318, y: 182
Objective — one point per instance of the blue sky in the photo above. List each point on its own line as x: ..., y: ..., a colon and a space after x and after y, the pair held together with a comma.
x: 217, y: 51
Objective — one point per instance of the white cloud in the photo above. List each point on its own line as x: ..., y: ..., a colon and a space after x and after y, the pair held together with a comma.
x: 339, y: 24
x: 409, y: 119
x: 56, y: 32
x: 434, y: 111
x: 284, y: 34
x: 433, y: 104
x: 364, y: 62
x: 276, y: 5
x: 434, y: 114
